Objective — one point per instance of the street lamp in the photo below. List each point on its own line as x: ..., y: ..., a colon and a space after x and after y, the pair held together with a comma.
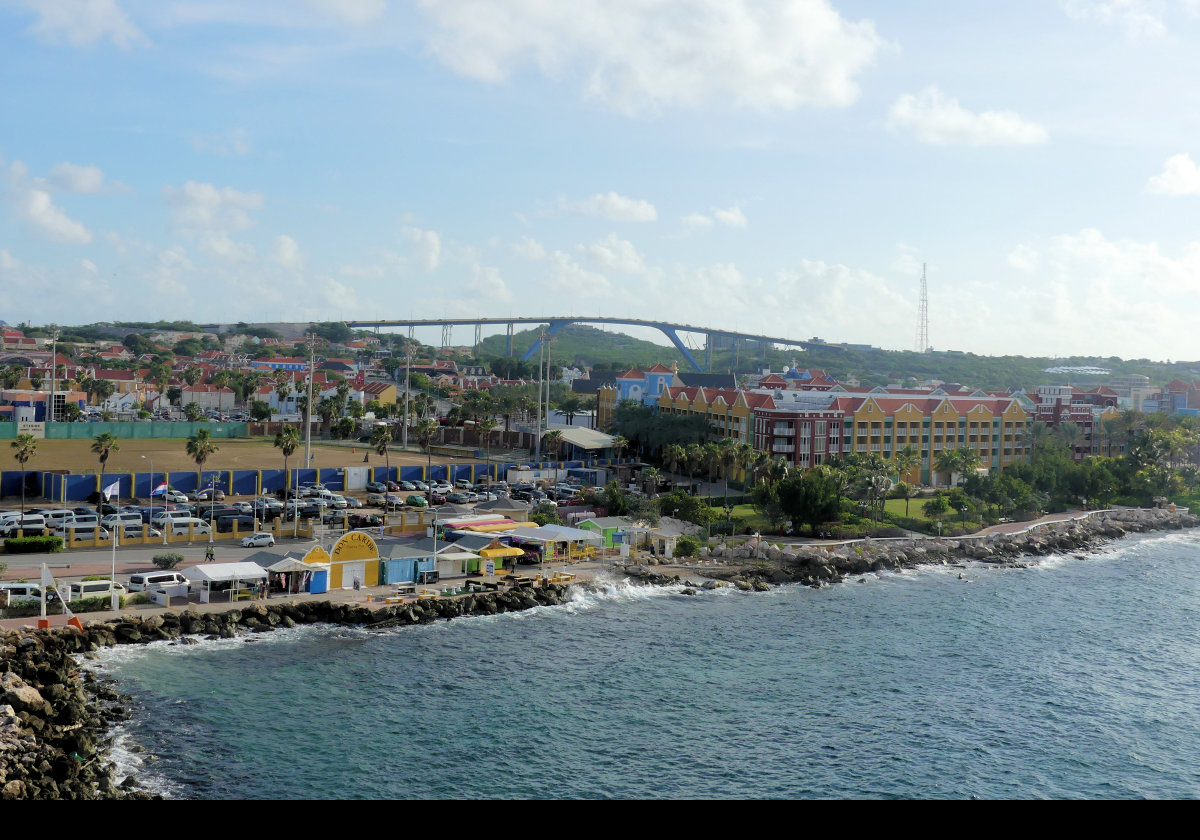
x: 964, y: 516
x: 151, y: 524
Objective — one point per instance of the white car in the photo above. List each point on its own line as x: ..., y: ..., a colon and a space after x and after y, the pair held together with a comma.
x: 175, y: 496
x: 259, y: 540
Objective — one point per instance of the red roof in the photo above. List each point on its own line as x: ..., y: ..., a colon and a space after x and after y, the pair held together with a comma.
x: 632, y: 373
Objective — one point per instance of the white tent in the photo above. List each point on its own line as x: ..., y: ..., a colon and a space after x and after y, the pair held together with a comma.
x: 224, y: 577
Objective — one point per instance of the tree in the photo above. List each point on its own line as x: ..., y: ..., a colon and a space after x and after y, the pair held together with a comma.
x: 287, y: 440
x: 199, y: 447
x: 552, y: 440
x: 381, y: 436
x: 485, y: 427
x: 810, y: 498
x: 904, y: 461
x: 193, y: 413
x: 260, y: 411
x: 424, y: 433
x: 103, y: 446
x: 570, y: 407
x: 25, y: 447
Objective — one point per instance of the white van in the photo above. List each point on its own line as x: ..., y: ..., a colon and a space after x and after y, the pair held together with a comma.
x: 32, y: 524
x: 163, y: 516
x: 22, y: 593
x: 179, y: 527
x: 122, y: 520
x: 92, y: 589
x: 156, y: 580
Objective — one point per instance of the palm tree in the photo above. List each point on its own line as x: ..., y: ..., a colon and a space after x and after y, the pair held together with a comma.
x: 904, y: 461
x: 283, y: 387
x: 424, y: 433
x: 570, y: 407
x: 728, y: 457
x: 380, y: 438
x: 619, y: 444
x: 103, y: 446
x: 287, y: 440
x: 672, y: 456
x: 650, y: 477
x: 199, y: 447
x: 710, y: 455
x: 25, y: 447
x: 485, y: 427
x: 553, y: 440
x: 947, y: 462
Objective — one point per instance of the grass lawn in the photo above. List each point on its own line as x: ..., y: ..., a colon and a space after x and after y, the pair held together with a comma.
x: 915, y: 508
x: 754, y: 520
x: 232, y: 454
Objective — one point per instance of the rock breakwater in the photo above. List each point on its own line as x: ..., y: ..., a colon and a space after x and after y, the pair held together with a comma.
x: 55, y: 716
x: 749, y: 567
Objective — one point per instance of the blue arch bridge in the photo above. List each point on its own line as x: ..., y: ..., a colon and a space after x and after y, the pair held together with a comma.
x: 553, y: 324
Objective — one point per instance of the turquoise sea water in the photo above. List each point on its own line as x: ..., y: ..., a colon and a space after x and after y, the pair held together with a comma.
x: 1074, y: 678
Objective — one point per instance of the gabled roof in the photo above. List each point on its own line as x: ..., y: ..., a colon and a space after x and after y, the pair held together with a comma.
x: 632, y: 373
x: 659, y: 368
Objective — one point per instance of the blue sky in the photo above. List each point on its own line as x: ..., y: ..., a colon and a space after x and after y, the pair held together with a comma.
x: 782, y: 166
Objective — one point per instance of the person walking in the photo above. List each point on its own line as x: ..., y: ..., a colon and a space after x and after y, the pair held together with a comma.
x: 209, y: 554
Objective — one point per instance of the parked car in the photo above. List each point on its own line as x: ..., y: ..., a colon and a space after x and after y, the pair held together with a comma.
x: 407, y: 486
x: 391, y: 500
x: 463, y: 484
x: 376, y: 498
x: 376, y: 487
x: 142, y: 581
x: 258, y: 540
x: 175, y: 496
x: 209, y: 493
x: 416, y: 500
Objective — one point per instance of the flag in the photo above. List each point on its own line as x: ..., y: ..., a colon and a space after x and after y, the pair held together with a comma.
x: 212, y: 482
x: 113, y: 489
x: 159, y: 490
x: 47, y: 578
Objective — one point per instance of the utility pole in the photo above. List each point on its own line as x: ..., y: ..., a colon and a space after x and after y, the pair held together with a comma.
x: 309, y: 412
x: 407, y: 368
x: 537, y: 442
x: 53, y: 358
x: 923, y: 316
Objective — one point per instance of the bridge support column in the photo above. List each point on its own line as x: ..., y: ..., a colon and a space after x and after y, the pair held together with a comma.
x: 550, y: 332
x: 679, y: 345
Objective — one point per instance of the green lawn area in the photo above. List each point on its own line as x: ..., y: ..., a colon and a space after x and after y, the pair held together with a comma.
x: 896, y: 508
x: 754, y: 520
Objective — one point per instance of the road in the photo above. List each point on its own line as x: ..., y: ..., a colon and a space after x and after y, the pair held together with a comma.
x: 77, y: 563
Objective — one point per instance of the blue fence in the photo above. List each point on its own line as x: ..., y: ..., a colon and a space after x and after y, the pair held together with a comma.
x: 75, y: 488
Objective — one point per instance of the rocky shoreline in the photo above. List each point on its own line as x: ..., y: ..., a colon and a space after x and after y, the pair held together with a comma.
x: 759, y: 567
x: 55, y: 716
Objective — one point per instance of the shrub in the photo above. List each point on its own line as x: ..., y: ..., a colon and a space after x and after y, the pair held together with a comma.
x: 167, y: 561
x: 33, y: 545
x: 687, y: 547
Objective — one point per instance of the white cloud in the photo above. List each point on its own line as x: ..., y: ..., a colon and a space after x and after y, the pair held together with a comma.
x: 530, y: 249
x: 1024, y: 258
x: 615, y: 254
x: 429, y: 246
x: 231, y: 143
x: 1180, y: 176
x: 906, y: 262
x: 1116, y: 287
x: 355, y: 12
x: 78, y: 179
x: 485, y: 282
x: 733, y: 217
x: 40, y: 211
x: 697, y: 220
x: 1139, y: 18
x: 34, y: 205
x: 637, y: 56
x: 939, y: 120
x: 218, y: 244
x: 82, y: 23
x: 286, y: 252
x: 613, y: 207
x: 88, y: 266
x: 204, y: 207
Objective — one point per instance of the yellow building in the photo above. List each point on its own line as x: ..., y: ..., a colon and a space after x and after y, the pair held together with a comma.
x: 354, y: 557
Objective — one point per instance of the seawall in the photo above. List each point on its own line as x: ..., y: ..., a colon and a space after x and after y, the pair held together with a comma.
x: 55, y: 715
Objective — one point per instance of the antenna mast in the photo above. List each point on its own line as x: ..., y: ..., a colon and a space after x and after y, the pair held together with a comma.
x: 923, y: 316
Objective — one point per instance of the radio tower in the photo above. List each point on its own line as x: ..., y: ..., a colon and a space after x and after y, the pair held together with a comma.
x: 923, y: 316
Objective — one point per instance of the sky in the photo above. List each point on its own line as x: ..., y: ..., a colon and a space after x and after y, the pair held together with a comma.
x: 784, y: 167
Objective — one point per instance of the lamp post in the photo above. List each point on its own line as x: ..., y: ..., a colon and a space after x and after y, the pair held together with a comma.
x: 964, y: 516
x: 151, y: 522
